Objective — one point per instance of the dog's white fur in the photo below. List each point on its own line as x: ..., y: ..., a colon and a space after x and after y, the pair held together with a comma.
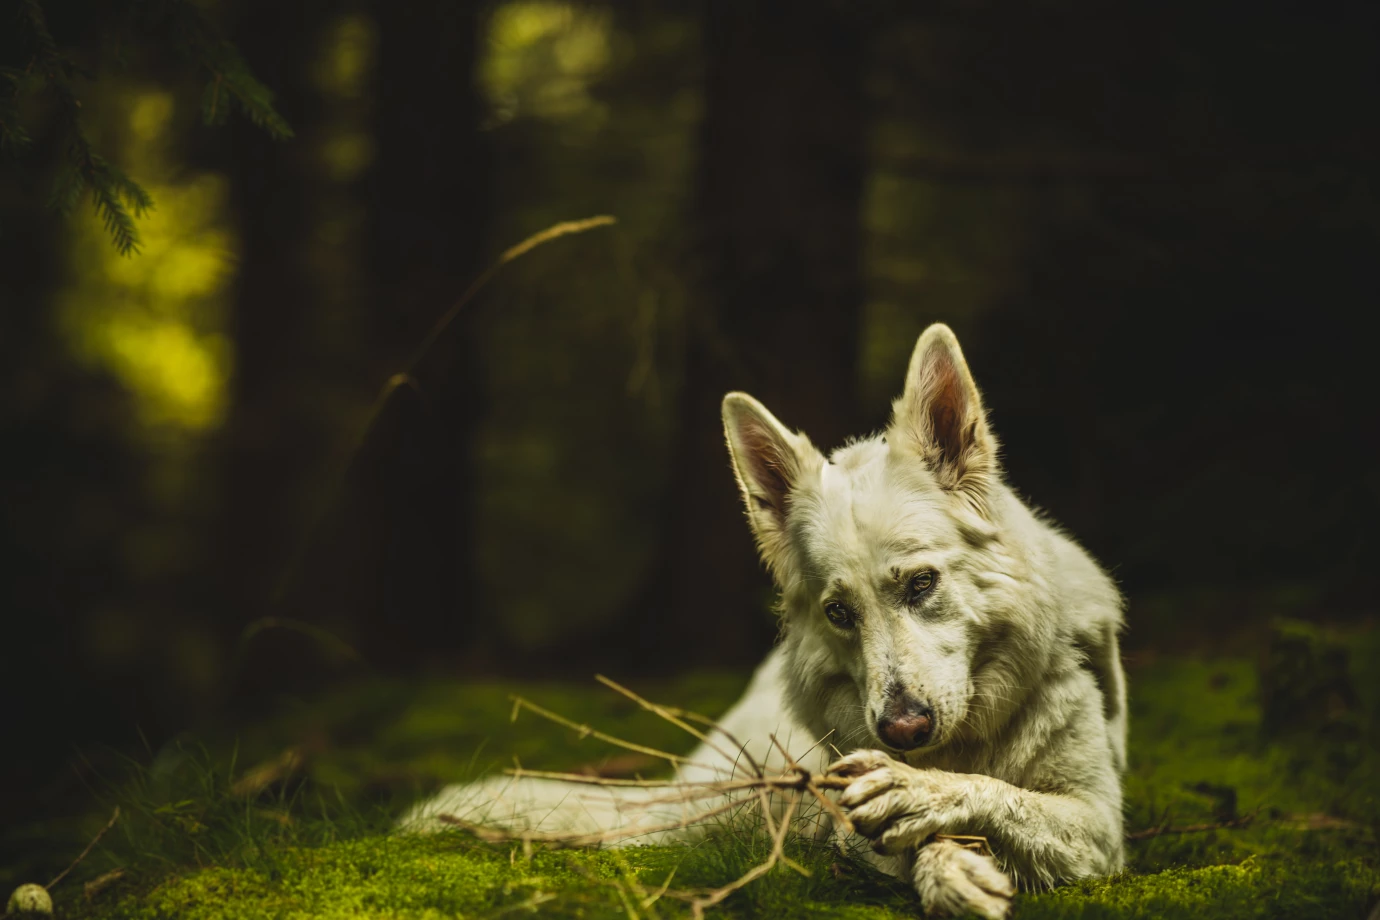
x: 1013, y: 648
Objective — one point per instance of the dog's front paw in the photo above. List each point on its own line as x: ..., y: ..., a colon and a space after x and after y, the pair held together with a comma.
x: 952, y: 881
x: 895, y: 805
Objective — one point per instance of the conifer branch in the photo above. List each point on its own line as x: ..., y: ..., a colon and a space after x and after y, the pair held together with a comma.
x: 46, y: 68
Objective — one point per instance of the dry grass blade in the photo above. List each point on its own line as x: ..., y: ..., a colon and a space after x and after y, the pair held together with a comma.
x: 115, y: 816
x: 101, y: 882
x: 259, y: 778
x: 974, y: 842
x: 697, y: 906
x: 554, y: 232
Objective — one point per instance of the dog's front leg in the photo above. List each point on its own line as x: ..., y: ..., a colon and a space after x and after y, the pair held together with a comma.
x: 1044, y: 838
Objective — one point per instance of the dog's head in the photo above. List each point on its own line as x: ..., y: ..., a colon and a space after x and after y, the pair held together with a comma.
x: 885, y: 553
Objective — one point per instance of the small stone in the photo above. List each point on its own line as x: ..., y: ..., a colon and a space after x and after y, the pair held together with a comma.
x: 32, y: 900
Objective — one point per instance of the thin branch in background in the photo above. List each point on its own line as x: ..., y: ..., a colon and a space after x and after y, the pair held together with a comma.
x: 407, y: 377
x: 115, y: 816
x: 1163, y: 829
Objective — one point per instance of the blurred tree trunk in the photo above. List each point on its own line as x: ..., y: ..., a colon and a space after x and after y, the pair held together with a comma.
x: 275, y: 438
x: 780, y: 183
x: 381, y: 559
x: 428, y: 216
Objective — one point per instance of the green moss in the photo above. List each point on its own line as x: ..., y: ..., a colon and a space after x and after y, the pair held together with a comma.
x: 1255, y: 888
x: 319, y: 846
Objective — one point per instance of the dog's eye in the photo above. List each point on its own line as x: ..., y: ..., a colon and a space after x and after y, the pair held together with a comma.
x: 920, y: 584
x: 839, y: 615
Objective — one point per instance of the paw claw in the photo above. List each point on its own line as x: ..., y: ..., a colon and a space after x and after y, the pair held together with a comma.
x: 858, y: 763
x: 867, y: 787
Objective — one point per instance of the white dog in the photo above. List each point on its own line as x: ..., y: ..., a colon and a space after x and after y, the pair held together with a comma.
x: 958, y: 650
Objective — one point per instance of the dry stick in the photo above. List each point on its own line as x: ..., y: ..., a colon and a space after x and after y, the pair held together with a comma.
x: 777, y: 854
x: 590, y: 780
x: 1163, y: 829
x: 799, y: 779
x: 115, y: 816
x: 836, y: 814
x: 587, y: 731
x: 816, y: 783
x: 816, y: 744
x: 802, y: 779
x: 664, y: 713
x: 764, y: 802
x: 704, y: 720
x: 692, y: 790
x: 406, y: 377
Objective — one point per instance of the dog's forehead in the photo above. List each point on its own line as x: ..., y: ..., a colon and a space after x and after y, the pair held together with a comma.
x: 868, y: 508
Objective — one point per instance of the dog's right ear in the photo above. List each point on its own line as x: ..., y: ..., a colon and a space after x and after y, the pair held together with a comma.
x: 770, y: 462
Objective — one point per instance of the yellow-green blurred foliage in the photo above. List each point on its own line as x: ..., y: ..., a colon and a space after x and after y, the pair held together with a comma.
x: 156, y: 321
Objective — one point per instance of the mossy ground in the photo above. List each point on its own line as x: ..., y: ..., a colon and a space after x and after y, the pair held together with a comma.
x: 319, y: 845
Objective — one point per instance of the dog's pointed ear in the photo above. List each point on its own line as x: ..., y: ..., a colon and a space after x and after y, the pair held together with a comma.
x: 770, y: 462
x: 940, y: 417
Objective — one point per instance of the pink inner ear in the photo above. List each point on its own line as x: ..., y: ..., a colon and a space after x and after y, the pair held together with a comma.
x: 948, y: 408
x: 767, y: 462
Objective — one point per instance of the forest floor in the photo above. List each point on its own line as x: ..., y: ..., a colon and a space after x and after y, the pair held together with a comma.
x: 293, y: 819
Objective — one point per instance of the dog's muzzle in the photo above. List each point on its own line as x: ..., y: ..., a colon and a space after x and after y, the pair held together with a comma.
x: 905, y: 724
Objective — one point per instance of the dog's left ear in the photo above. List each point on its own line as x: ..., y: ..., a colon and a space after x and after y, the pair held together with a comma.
x: 940, y: 417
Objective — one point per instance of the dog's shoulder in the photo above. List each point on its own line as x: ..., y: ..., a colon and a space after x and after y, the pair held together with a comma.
x: 1088, y: 609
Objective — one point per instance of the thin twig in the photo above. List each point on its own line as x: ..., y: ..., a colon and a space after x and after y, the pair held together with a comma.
x: 817, y: 783
x: 663, y: 712
x: 589, y: 731
x: 704, y: 720
x: 115, y: 816
x: 408, y: 377
x: 811, y: 748
x: 1163, y: 829
x: 795, y: 781
x: 777, y: 853
x: 776, y: 781
x: 592, y: 780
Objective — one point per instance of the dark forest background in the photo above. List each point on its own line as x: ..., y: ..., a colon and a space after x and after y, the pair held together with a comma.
x: 1153, y: 227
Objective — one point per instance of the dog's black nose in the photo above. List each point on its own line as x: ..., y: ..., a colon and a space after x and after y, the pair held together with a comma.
x: 907, y: 729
